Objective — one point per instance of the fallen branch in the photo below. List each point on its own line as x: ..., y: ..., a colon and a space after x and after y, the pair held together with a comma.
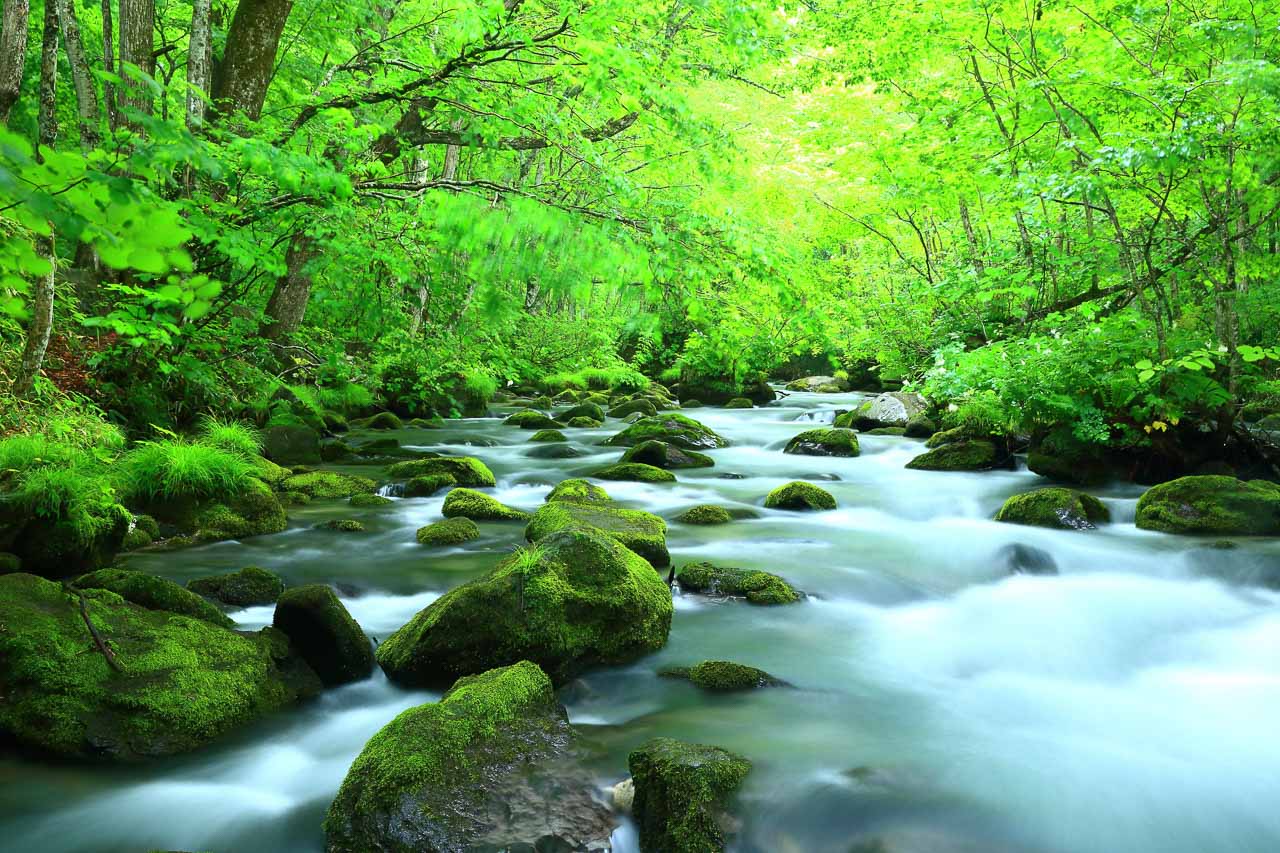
x: 97, y: 638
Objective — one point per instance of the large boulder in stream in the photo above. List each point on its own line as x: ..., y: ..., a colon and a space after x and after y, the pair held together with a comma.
x: 661, y: 454
x: 891, y: 409
x: 1213, y: 505
x: 635, y: 472
x: 154, y: 593
x: 965, y: 455
x: 324, y: 634
x: 89, y: 675
x: 530, y: 419
x: 819, y: 385
x: 574, y: 600
x: 460, y: 470
x: 722, y: 676
x: 583, y: 410
x: 451, y: 531
x: 824, y: 442
x: 682, y: 794
x: 755, y: 586
x: 291, y: 443
x: 643, y: 406
x: 1064, y: 509
x: 253, y: 511
x: 642, y: 532
x: 477, y: 506
x: 671, y: 428
x: 326, y: 485
x: 490, y: 767
x: 800, y: 495
x: 244, y: 588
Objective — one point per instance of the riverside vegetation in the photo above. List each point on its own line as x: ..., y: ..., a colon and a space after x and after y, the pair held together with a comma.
x: 515, y: 377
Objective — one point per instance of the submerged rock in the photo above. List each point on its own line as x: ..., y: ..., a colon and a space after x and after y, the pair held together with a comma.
x: 636, y: 472
x: 671, y: 428
x: 468, y: 503
x: 642, y: 532
x: 324, y: 634
x: 1019, y: 559
x: 1213, y: 505
x: 800, y: 495
x: 705, y: 514
x: 181, y: 683
x: 661, y: 454
x: 824, y: 442
x: 245, y: 588
x: 154, y: 593
x: 575, y: 600
x: 968, y: 455
x: 451, y: 531
x: 756, y: 586
x: 723, y: 676
x: 490, y: 767
x: 682, y: 794
x: 464, y: 470
x: 1064, y: 509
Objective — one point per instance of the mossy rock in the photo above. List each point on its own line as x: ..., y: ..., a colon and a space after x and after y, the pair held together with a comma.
x: 579, y: 491
x: 135, y: 539
x: 574, y: 600
x: 183, y: 682
x: 1269, y: 423
x: 9, y: 563
x: 324, y: 634
x: 661, y: 454
x: 468, y: 503
x: 1212, y: 505
x: 671, y: 428
x: 154, y: 593
x: 554, y: 451
x: 486, y: 768
x: 384, y: 421
x: 723, y: 676
x: 893, y: 408
x: 341, y: 525
x: 755, y: 586
x: 433, y: 422
x: 636, y: 472
x: 591, y: 411
x: 451, y: 531
x: 583, y: 423
x: 335, y: 422
x: 895, y: 431
x: 63, y: 546
x: 326, y: 485
x: 426, y: 485
x: 691, y: 404
x: 705, y: 514
x: 739, y: 403
x: 824, y: 442
x: 645, y: 408
x: 291, y: 443
x: 642, y: 532
x: 247, y: 587
x: 255, y: 511
x: 147, y: 525
x: 964, y: 455
x: 682, y: 794
x: 1064, y: 509
x: 465, y: 470
x: 800, y: 495
x: 920, y: 426
x: 1077, y: 468
x: 548, y: 435
x: 335, y: 451
x: 529, y: 419
x: 369, y: 501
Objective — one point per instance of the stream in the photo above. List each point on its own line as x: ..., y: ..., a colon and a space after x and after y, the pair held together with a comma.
x: 941, y: 704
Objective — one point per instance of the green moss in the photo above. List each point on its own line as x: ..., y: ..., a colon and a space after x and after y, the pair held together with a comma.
x: 574, y: 601
x: 671, y: 428
x: 465, y: 470
x: 154, y: 593
x: 636, y: 472
x: 723, y: 676
x: 451, y: 531
x: 800, y: 495
x: 967, y: 455
x: 9, y: 563
x: 1212, y: 505
x: 642, y: 532
x: 326, y: 484
x: 324, y: 634
x: 705, y: 514
x: 660, y: 454
x: 590, y: 411
x: 370, y: 501
x: 682, y: 793
x: 548, y: 435
x: 59, y: 520
x: 756, y: 586
x: 147, y: 525
x: 468, y: 503
x: 1065, y: 509
x: 644, y: 407
x: 341, y: 525
x: 887, y: 431
x: 135, y: 539
x: 946, y: 436
x: 578, y: 491
x: 184, y: 681
x: 384, y: 420
x: 426, y: 485
x: 583, y: 423
x: 529, y: 419
x: 244, y: 588
x: 739, y: 403
x: 824, y: 442
x: 920, y: 427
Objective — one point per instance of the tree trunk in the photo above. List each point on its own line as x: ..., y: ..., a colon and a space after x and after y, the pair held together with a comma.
x: 47, y: 122
x: 137, y: 48
x: 199, y: 62
x: 288, y: 303
x: 40, y: 325
x: 241, y: 79
x: 13, y: 52
x: 975, y: 254
x: 81, y: 77
x: 109, y: 64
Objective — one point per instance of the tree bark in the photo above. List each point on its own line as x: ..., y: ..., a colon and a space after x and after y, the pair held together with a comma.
x: 41, y: 324
x: 47, y: 122
x: 13, y: 52
x: 109, y: 64
x: 241, y: 79
x: 288, y: 303
x: 199, y: 62
x: 81, y: 77
x: 137, y: 48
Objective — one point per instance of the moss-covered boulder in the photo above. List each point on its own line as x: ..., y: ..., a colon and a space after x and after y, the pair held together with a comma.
x: 291, y: 443
x: 370, y: 501
x: 554, y: 450
x: 425, y: 485
x: 824, y: 442
x: 324, y: 634
x: 642, y: 532
x: 636, y: 472
x: 548, y: 435
x: 800, y: 495
x: 254, y: 511
x: 739, y: 403
x: 723, y: 676
x: 530, y: 419
x: 682, y: 795
x: 468, y: 503
x: 247, y: 587
x: 819, y: 385
x: 383, y: 421
x: 966, y: 455
x: 341, y: 525
x: 1212, y: 505
x: 451, y: 531
x: 662, y: 454
x: 946, y: 436
x: 85, y: 531
x: 574, y: 600
x: 465, y: 470
x: 583, y: 410
x: 327, y: 485
x: 895, y: 431
x: 1078, y: 467
x: 180, y: 683
x: 1065, y: 509
x: 489, y: 767
x: 705, y: 514
x: 583, y: 423
x: 671, y: 428
x: 645, y: 408
x: 921, y: 426
x: 755, y: 586
x: 578, y: 490
x: 154, y: 593
x: 893, y: 408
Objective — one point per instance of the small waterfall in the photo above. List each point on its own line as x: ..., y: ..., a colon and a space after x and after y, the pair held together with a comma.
x: 391, y: 490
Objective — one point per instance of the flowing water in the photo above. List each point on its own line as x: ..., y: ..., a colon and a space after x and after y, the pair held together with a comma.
x: 941, y: 704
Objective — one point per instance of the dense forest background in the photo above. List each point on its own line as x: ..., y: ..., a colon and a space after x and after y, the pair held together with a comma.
x: 1058, y: 220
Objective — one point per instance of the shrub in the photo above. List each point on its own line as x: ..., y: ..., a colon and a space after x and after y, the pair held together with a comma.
x: 175, y: 468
